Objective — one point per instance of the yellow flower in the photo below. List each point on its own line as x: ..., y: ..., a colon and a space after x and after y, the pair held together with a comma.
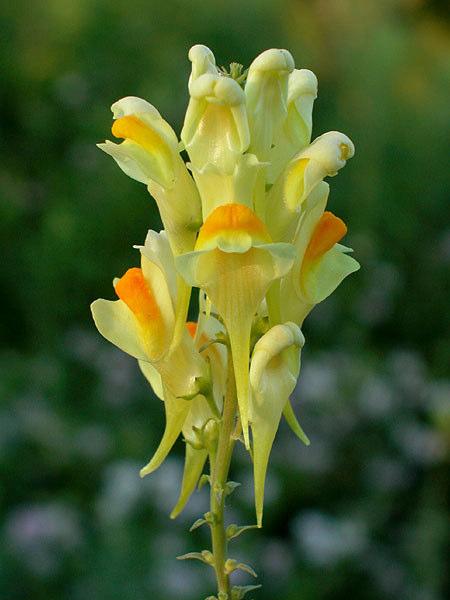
x: 295, y: 133
x: 274, y: 370
x: 323, y: 158
x: 150, y: 154
x: 142, y: 323
x: 321, y: 261
x: 215, y: 128
x: 235, y: 262
x: 266, y: 91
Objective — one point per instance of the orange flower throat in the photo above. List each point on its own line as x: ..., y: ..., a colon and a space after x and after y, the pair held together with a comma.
x: 328, y: 231
x: 133, y: 289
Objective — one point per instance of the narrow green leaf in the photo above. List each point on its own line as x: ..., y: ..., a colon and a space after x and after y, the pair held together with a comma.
x: 191, y: 556
x: 246, y: 569
x: 204, y: 556
x: 198, y: 523
x: 234, y: 531
x: 232, y: 565
x: 230, y: 486
x: 239, y: 591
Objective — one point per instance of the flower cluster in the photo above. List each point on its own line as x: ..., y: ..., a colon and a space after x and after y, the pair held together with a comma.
x: 245, y: 221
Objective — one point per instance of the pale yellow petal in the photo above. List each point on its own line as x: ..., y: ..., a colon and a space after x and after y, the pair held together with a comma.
x: 323, y: 158
x: 157, y: 250
x: 266, y: 92
x: 215, y: 129
x: 324, y: 276
x: 117, y: 324
x: 153, y: 377
x: 203, y: 61
x: 238, y: 186
x: 181, y: 368
x: 295, y: 134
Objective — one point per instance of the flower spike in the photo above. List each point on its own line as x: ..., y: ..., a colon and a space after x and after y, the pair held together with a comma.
x: 245, y: 221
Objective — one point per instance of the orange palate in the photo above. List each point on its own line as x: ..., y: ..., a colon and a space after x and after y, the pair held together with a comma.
x: 328, y: 231
x: 133, y: 128
x: 232, y: 218
x: 137, y: 295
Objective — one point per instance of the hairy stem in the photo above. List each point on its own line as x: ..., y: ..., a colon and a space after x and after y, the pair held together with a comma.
x: 219, y: 474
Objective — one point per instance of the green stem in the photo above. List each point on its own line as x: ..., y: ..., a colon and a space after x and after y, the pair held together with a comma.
x: 219, y: 475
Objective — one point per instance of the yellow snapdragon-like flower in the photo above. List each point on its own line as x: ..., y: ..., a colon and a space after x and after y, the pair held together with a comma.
x: 246, y: 221
x: 274, y: 370
x: 266, y: 91
x: 235, y: 262
x: 321, y: 261
x: 323, y: 158
x: 215, y: 129
x: 142, y: 323
x: 150, y: 154
x: 295, y: 132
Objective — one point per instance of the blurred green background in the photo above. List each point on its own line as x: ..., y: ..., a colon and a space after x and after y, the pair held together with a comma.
x: 361, y: 513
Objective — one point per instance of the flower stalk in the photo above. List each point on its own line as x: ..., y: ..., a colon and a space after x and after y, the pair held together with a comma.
x: 220, y: 466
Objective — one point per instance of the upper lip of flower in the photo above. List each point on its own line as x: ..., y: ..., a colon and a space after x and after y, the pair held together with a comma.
x: 274, y: 59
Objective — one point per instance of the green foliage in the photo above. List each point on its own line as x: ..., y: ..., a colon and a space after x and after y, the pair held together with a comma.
x: 204, y: 556
x: 233, y: 531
